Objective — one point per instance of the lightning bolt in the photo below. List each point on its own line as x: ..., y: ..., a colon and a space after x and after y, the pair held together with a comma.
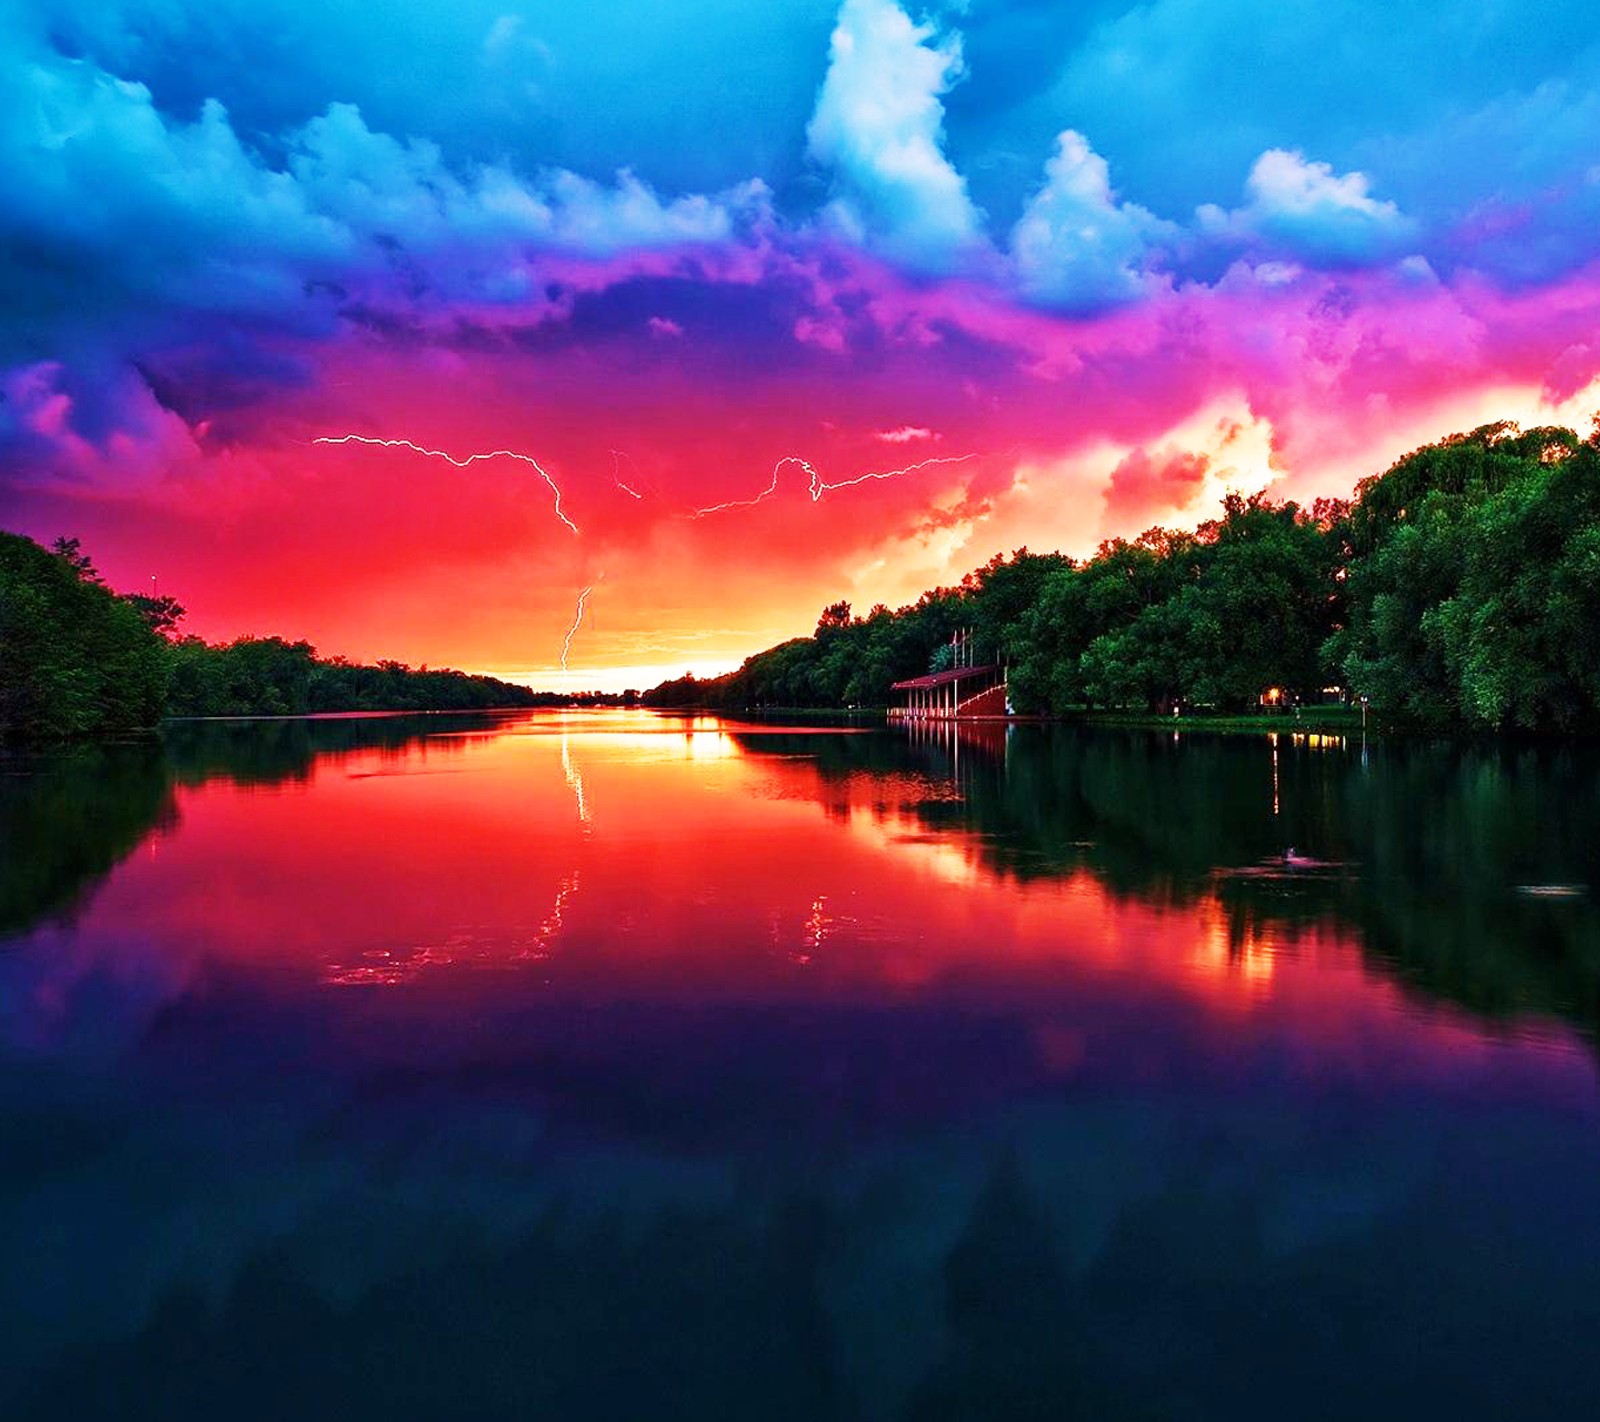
x: 577, y: 619
x: 459, y: 463
x: 617, y: 456
x: 819, y: 486
x: 766, y: 493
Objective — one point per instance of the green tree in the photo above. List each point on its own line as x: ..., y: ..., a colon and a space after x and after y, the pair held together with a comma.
x: 75, y: 659
x: 1473, y: 582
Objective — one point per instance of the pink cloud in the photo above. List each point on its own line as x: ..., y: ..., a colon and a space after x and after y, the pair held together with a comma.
x: 1146, y: 484
x: 376, y: 554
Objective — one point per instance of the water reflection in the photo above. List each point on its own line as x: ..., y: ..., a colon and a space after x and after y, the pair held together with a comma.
x: 1462, y: 872
x: 1465, y: 870
x: 65, y: 825
x: 604, y: 1066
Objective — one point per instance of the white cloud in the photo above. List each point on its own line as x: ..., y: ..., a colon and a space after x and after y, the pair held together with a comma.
x: 879, y: 125
x: 95, y: 168
x: 906, y: 434
x: 1304, y: 207
x: 183, y: 228
x: 1076, y: 245
x: 502, y: 33
x: 374, y: 182
x: 1183, y: 474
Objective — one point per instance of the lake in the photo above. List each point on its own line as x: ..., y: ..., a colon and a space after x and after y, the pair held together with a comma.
x: 617, y: 1065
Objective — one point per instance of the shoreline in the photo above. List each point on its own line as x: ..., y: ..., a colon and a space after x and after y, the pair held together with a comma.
x: 1328, y: 720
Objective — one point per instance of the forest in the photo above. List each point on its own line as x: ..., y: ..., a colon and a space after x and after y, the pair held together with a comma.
x: 1460, y: 589
x: 79, y: 660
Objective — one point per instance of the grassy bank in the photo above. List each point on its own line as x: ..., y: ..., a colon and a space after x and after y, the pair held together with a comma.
x: 1337, y: 720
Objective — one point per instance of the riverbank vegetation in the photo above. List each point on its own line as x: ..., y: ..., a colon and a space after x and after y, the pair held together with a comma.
x: 1457, y: 590
x: 268, y: 676
x: 79, y: 660
x: 1460, y: 589
x: 75, y: 659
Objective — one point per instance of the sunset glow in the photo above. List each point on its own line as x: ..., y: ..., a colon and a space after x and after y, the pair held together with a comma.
x: 397, y: 340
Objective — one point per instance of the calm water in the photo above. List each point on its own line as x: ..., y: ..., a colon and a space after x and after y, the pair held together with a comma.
x: 616, y: 1066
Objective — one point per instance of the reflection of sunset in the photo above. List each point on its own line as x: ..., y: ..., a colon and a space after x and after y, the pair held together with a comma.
x: 716, y: 862
x: 951, y: 858
x: 1242, y: 953
x: 458, y: 983
x: 708, y: 745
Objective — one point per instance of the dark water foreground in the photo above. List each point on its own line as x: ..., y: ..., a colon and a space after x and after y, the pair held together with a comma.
x: 627, y: 1067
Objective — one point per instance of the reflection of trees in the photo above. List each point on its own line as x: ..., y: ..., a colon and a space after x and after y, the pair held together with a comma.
x: 692, y: 1315
x: 1015, y: 1332
x: 1449, y: 834
x: 66, y: 821
x: 1221, y: 1291
x: 1431, y: 841
x: 1435, y: 840
x: 268, y: 752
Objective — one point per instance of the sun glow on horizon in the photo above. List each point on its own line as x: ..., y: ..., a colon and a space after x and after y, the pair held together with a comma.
x: 406, y: 371
x: 634, y: 676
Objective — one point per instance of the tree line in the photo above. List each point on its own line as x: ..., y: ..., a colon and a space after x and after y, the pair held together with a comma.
x: 1459, y: 588
x: 78, y: 660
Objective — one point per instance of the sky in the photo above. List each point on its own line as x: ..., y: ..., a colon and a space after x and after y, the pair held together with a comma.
x: 753, y: 307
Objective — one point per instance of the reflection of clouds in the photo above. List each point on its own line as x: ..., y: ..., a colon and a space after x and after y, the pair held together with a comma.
x: 475, y: 1200
x: 392, y: 967
x: 699, y: 744
x: 64, y: 994
x: 466, y: 1135
x: 953, y: 858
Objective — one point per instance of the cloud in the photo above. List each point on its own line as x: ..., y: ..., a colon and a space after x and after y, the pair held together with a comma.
x: 1144, y: 484
x: 878, y: 125
x: 1303, y: 208
x: 502, y: 33
x: 905, y: 434
x: 1490, y: 115
x: 1076, y: 246
x: 192, y: 259
x: 128, y: 233
x: 1178, y: 474
x: 378, y: 186
x: 530, y: 83
x: 1572, y: 371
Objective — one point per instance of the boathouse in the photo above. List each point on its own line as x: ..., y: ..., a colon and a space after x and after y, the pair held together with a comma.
x: 960, y: 691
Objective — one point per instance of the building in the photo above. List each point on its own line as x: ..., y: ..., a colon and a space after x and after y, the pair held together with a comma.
x: 961, y: 691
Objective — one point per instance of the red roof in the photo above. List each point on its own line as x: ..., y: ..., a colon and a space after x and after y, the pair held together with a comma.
x: 944, y: 678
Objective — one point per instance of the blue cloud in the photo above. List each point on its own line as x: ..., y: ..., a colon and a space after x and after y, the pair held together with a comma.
x: 127, y: 231
x: 1449, y: 111
x: 1076, y: 246
x: 217, y: 177
x: 879, y: 127
x: 691, y: 97
x: 1304, y: 209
